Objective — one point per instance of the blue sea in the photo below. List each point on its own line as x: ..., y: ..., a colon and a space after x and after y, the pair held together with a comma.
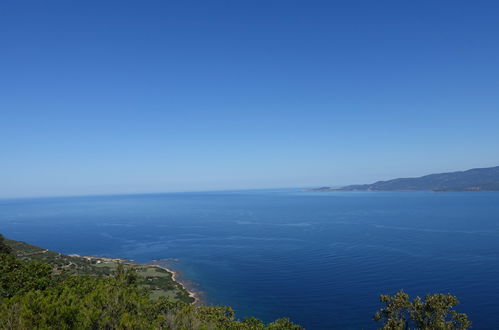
x: 321, y: 259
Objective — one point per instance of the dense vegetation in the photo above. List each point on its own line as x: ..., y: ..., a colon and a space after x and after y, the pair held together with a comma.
x: 158, y: 281
x: 38, y: 295
x: 434, y: 312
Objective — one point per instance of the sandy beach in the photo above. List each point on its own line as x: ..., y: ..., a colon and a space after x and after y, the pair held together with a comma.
x: 175, y: 277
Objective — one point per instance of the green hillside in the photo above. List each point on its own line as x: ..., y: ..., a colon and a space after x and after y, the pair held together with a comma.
x: 157, y: 280
x: 477, y: 179
x: 43, y: 289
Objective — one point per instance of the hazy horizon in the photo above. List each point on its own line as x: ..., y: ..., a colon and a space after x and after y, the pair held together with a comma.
x: 152, y: 192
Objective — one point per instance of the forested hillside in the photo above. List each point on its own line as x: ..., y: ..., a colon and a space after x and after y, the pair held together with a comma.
x: 67, y: 294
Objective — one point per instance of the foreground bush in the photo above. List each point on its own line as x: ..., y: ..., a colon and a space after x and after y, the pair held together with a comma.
x: 434, y: 312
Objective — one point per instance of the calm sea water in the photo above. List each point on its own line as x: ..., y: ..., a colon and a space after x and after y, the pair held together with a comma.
x: 321, y: 259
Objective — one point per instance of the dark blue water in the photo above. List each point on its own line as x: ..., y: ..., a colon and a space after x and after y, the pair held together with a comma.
x: 320, y: 258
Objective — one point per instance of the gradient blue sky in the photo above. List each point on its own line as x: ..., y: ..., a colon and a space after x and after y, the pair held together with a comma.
x: 101, y: 97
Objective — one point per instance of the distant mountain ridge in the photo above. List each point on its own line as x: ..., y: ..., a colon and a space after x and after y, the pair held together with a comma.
x: 477, y: 179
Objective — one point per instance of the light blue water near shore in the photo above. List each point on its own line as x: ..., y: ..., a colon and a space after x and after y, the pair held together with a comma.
x: 320, y: 258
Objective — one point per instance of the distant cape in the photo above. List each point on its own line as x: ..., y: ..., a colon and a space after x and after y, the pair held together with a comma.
x: 477, y: 179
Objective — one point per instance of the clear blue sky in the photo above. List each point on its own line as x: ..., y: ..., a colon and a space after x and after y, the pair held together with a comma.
x: 102, y: 97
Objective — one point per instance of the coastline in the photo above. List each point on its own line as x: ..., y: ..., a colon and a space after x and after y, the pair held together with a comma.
x: 174, y: 274
x: 175, y: 277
